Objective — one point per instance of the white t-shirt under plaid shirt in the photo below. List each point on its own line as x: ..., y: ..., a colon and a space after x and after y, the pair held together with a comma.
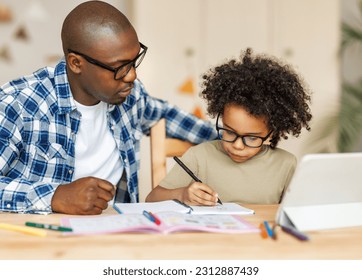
x: 39, y: 123
x: 96, y: 151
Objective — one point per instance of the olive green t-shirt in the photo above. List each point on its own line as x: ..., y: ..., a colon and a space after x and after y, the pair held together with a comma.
x: 259, y: 180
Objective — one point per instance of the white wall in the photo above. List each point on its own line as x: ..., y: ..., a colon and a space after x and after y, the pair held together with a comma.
x: 43, y: 46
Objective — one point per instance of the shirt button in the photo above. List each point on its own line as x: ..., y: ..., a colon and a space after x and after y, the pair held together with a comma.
x: 126, y: 160
x: 70, y: 171
x: 8, y: 205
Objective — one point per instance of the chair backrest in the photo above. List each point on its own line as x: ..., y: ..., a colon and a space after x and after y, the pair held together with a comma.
x: 161, y: 149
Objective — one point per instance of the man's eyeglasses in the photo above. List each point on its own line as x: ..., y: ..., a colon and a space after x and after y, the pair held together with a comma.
x: 121, y: 71
x: 231, y: 136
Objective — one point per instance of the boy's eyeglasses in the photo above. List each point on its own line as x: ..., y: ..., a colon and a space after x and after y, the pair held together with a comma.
x: 121, y: 71
x: 231, y: 136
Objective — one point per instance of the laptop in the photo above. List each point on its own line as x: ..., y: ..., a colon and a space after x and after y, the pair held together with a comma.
x: 324, y: 193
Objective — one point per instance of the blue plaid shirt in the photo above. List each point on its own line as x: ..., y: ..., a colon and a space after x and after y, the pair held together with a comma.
x: 38, y: 127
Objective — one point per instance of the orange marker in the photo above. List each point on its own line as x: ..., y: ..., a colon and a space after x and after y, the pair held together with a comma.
x: 263, y: 232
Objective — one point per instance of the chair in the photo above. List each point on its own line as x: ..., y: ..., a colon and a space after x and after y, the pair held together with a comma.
x: 163, y: 148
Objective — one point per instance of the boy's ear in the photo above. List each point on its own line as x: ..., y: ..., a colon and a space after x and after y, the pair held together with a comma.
x: 74, y: 63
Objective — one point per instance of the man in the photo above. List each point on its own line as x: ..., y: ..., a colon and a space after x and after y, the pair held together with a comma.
x: 69, y: 134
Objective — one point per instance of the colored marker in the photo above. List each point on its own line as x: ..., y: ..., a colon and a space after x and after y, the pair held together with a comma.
x: 301, y: 236
x: 268, y: 229
x: 156, y: 220
x: 47, y: 226
x: 263, y: 231
x: 149, y: 216
x: 274, y: 231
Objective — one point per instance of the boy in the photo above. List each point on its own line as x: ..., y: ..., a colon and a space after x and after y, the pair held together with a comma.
x: 257, y: 101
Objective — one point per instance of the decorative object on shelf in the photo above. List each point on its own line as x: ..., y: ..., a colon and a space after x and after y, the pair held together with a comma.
x: 198, y: 112
x: 5, y: 14
x: 5, y: 54
x: 21, y: 33
x: 187, y: 87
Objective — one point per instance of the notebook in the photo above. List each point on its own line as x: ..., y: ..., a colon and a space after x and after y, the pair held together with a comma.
x: 324, y: 193
x: 170, y: 222
x: 179, y: 207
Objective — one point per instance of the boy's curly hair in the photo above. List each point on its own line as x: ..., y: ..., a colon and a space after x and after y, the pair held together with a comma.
x: 264, y: 87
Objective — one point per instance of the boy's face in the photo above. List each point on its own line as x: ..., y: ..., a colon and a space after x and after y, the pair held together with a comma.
x: 238, y: 120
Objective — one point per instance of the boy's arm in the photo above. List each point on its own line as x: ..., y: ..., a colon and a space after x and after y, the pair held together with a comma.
x: 195, y: 194
x: 160, y: 193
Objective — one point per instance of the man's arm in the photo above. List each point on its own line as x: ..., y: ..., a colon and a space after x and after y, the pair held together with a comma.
x: 18, y: 194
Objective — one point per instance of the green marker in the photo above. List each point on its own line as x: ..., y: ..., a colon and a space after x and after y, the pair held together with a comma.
x: 46, y: 226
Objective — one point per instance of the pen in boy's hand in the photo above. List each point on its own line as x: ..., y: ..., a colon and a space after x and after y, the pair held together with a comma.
x: 219, y: 201
x: 188, y: 171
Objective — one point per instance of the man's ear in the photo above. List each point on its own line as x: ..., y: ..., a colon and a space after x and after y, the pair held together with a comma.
x: 74, y: 63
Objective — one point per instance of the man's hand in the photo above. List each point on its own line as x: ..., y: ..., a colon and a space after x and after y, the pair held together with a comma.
x: 85, y: 196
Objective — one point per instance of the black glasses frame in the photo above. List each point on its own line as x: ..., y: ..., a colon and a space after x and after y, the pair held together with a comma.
x: 242, y: 137
x: 129, y: 64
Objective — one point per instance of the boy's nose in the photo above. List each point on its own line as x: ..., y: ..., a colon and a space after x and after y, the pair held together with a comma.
x: 239, y: 144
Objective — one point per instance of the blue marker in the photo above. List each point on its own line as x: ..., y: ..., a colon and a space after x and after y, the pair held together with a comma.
x: 149, y: 216
x: 268, y: 229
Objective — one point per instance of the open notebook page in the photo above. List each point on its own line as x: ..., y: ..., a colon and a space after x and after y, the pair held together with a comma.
x: 170, y: 205
x: 154, y: 207
x: 226, y: 208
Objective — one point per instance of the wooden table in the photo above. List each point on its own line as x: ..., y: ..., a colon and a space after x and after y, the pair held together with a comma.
x: 327, y: 244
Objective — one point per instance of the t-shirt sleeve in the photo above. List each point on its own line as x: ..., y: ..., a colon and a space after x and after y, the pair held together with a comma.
x: 177, y: 177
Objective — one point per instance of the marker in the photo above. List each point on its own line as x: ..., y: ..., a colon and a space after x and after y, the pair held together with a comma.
x: 301, y: 236
x: 263, y: 231
x: 156, y: 220
x: 274, y: 231
x: 193, y: 176
x: 22, y: 229
x: 149, y: 216
x: 46, y: 226
x: 268, y: 229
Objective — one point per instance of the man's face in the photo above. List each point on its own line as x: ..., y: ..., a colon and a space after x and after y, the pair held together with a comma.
x: 94, y: 83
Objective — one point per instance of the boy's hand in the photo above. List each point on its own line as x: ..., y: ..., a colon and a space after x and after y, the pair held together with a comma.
x: 199, y: 194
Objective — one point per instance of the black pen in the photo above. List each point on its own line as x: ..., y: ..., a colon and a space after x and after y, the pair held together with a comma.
x: 188, y: 171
